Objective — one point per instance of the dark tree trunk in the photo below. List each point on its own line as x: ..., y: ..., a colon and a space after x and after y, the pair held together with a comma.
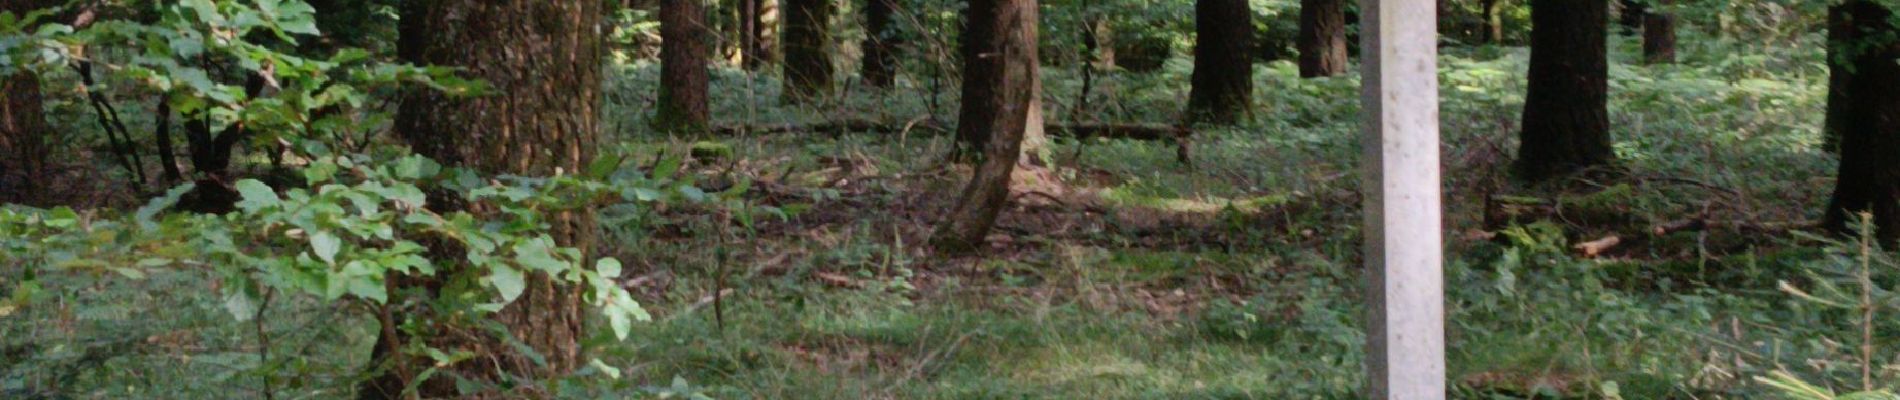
x: 808, y: 67
x: 1869, y: 179
x: 1222, y: 88
x: 542, y: 58
x: 683, y: 103
x: 982, y: 75
x: 756, y: 19
x: 1322, y: 38
x: 880, y: 44
x: 1659, y: 38
x: 1493, y: 14
x: 23, y: 138
x: 1009, y: 28
x: 1566, y: 117
x: 1839, y: 30
x: 1632, y: 17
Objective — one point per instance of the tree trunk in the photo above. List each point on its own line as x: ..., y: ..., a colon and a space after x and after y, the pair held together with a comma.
x: 1869, y: 179
x: 758, y: 20
x: 1008, y: 27
x: 1493, y: 13
x: 1839, y: 30
x: 542, y: 58
x: 1566, y: 117
x: 1322, y: 38
x: 807, y: 49
x: 684, y: 36
x: 1633, y: 12
x: 1222, y: 89
x: 1659, y: 38
x: 880, y: 44
x: 23, y: 134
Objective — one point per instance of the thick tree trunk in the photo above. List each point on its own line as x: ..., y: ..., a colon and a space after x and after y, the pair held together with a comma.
x: 1223, y: 64
x: 1840, y: 29
x: 808, y: 67
x: 1493, y: 13
x: 1659, y: 38
x: 1008, y: 27
x: 982, y: 75
x: 23, y: 134
x: 1869, y: 179
x: 880, y: 44
x: 542, y: 58
x: 683, y: 106
x: 1566, y: 117
x: 1322, y: 38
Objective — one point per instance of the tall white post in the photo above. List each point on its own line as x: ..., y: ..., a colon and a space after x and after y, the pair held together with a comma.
x: 1405, y: 352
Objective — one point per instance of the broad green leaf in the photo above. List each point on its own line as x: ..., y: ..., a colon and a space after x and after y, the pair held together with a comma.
x: 240, y: 305
x: 608, y: 267
x: 256, y: 195
x: 325, y: 246
x: 509, y: 281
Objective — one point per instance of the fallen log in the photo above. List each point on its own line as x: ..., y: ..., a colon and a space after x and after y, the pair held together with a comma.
x: 833, y: 128
x: 1131, y: 131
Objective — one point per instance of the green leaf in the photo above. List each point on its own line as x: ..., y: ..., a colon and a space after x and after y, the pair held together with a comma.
x: 509, y: 281
x: 325, y: 245
x: 240, y: 305
x: 608, y: 267
x: 62, y: 217
x: 256, y: 195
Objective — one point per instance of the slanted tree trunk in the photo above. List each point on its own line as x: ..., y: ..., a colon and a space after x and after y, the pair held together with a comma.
x: 1566, y: 118
x: 808, y: 67
x: 1659, y: 38
x: 880, y: 44
x: 683, y: 106
x: 1493, y: 13
x: 543, y: 59
x: 1869, y: 179
x: 1008, y: 27
x: 1322, y: 38
x: 1222, y: 89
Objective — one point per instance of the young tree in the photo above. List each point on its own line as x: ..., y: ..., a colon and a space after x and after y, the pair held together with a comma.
x: 1009, y: 28
x: 807, y: 49
x: 1322, y: 38
x: 1222, y: 89
x: 1566, y: 123
x: 1492, y: 11
x: 1659, y: 37
x: 880, y: 44
x: 542, y: 59
x: 756, y: 22
x: 684, y: 36
x: 1869, y: 120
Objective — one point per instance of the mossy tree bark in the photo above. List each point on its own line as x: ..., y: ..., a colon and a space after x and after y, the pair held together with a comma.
x: 1008, y: 27
x: 1869, y: 121
x: 808, y: 69
x: 1222, y: 89
x: 1322, y: 38
x: 1566, y: 116
x: 542, y: 59
x: 684, y: 39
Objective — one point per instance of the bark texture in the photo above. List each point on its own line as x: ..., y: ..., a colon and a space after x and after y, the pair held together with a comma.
x: 1223, y: 65
x: 23, y: 137
x: 1869, y: 179
x: 1322, y: 38
x: 757, y: 22
x: 1839, y: 78
x: 542, y: 58
x: 808, y: 70
x: 1492, y: 11
x: 685, y: 38
x: 1659, y: 38
x: 1566, y: 116
x: 880, y: 44
x: 1011, y: 31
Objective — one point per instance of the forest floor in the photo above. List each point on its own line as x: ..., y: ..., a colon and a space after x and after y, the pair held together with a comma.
x: 1122, y: 273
